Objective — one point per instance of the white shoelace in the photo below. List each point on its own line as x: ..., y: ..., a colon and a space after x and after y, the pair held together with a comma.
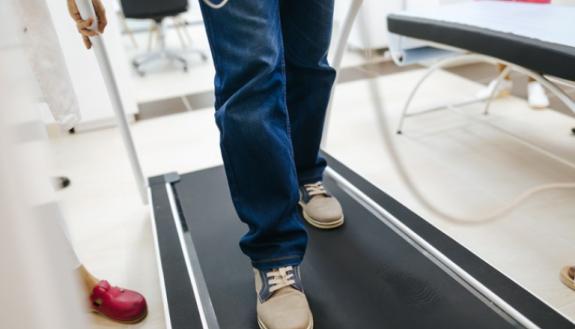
x: 280, y: 278
x: 315, y: 189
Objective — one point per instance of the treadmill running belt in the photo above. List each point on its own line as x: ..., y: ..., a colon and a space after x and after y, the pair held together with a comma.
x: 362, y: 275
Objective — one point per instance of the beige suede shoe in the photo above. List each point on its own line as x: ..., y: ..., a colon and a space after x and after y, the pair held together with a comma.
x: 281, y: 301
x: 567, y: 276
x: 320, y: 209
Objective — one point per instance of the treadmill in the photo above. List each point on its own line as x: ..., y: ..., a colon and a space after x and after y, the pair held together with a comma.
x: 385, y: 268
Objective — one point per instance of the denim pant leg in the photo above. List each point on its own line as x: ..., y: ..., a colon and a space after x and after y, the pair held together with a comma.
x: 246, y: 43
x: 306, y: 27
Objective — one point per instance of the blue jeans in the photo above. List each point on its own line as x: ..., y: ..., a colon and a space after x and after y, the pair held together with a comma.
x: 272, y: 87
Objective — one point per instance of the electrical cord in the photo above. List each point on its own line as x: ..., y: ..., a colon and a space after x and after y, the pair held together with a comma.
x: 400, y: 165
x: 216, y: 5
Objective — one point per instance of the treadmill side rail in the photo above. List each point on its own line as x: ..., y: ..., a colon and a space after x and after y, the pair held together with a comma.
x: 180, y: 308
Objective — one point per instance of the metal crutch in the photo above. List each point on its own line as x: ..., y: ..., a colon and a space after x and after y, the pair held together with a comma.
x: 87, y: 10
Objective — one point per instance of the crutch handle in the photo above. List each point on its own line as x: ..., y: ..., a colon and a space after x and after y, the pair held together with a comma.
x: 87, y: 10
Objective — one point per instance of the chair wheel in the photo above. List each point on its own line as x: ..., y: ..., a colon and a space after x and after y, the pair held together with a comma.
x: 573, y: 131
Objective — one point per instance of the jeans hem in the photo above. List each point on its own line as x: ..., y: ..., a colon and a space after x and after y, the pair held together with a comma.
x: 312, y: 180
x: 269, y: 264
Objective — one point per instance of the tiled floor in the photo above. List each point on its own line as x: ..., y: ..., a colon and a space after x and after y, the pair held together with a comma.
x: 464, y: 166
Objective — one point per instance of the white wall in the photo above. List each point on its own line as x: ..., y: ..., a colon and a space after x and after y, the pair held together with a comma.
x: 373, y: 15
x: 374, y: 12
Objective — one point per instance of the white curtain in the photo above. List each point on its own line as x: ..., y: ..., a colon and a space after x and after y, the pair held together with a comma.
x: 47, y: 61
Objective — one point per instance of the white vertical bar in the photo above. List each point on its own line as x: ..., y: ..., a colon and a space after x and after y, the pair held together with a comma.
x: 338, y: 57
x: 86, y: 10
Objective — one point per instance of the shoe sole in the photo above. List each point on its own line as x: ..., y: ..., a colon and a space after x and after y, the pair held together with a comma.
x: 138, y: 320
x: 321, y: 225
x: 564, y: 275
x: 263, y: 326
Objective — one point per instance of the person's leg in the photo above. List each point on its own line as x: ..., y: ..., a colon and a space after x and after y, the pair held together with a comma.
x: 307, y: 27
x: 500, y: 68
x: 504, y: 88
x: 119, y: 304
x: 246, y: 42
x: 88, y: 280
x: 536, y: 96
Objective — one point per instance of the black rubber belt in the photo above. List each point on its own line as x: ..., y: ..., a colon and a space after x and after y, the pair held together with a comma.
x: 182, y: 307
x: 360, y: 276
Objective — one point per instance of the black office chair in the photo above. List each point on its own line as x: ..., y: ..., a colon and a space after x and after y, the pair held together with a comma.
x: 157, y: 10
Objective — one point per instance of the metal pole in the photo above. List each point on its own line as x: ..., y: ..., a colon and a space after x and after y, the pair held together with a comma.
x: 502, y: 76
x: 87, y: 10
x: 338, y: 57
x: 432, y: 69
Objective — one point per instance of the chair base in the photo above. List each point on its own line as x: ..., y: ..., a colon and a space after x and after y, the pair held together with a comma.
x: 164, y: 54
x: 140, y: 61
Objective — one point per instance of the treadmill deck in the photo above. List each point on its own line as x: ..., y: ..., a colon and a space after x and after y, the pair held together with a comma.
x: 363, y: 275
